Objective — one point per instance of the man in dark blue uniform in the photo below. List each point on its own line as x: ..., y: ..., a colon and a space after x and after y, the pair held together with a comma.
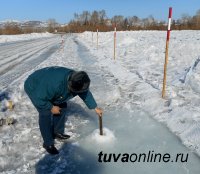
x: 49, y: 89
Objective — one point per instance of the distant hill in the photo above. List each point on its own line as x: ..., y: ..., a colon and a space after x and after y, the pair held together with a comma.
x: 25, y: 24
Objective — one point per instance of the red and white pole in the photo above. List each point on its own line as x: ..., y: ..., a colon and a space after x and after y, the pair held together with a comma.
x: 169, y: 23
x: 166, y: 52
x: 115, y: 33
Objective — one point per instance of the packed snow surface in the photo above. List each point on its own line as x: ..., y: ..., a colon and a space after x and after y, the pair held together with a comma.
x: 22, y: 37
x: 136, y: 119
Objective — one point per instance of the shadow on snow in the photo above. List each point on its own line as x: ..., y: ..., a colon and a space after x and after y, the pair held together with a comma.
x: 72, y: 159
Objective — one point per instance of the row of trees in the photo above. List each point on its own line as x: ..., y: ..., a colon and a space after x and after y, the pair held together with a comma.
x: 10, y: 29
x: 89, y: 21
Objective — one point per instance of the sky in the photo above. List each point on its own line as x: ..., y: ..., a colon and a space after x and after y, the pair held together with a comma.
x: 63, y: 10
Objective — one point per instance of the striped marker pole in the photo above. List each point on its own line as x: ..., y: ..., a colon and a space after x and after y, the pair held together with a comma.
x: 166, y: 52
x: 115, y: 31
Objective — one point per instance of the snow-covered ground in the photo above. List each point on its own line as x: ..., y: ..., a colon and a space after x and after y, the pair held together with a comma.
x: 142, y: 54
x: 129, y: 91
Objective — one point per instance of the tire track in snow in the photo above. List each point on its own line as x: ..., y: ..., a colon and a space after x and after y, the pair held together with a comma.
x: 14, y: 47
x: 20, y: 53
x: 29, y: 60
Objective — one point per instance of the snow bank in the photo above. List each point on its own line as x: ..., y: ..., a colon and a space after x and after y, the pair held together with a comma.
x: 138, y: 69
x: 22, y: 37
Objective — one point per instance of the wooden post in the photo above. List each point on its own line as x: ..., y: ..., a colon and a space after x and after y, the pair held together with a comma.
x: 166, y: 53
x: 92, y: 37
x: 97, y: 38
x: 10, y: 105
x: 62, y: 44
x: 165, y: 70
x: 115, y: 42
x: 100, y: 125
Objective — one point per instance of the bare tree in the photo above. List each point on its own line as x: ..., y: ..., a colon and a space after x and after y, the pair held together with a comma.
x: 95, y: 18
x: 185, y: 18
x: 85, y: 17
x: 76, y: 16
x: 126, y: 23
x: 198, y: 18
x: 118, y: 20
x: 134, y: 21
x: 198, y: 13
x: 102, y: 16
x: 52, y: 25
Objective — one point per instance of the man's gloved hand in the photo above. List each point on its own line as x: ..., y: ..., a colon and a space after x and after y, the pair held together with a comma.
x: 99, y: 111
x: 55, y: 110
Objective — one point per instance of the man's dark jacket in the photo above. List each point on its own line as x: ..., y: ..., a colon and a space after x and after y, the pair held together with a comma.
x: 48, y: 86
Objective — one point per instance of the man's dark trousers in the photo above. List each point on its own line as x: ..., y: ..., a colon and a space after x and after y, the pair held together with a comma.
x: 51, y: 124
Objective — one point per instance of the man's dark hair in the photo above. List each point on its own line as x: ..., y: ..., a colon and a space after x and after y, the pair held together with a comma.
x: 78, y: 81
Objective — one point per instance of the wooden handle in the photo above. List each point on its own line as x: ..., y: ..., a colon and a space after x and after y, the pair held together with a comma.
x: 100, y: 125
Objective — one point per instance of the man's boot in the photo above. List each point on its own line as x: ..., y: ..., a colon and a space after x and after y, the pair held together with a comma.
x: 51, y: 149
